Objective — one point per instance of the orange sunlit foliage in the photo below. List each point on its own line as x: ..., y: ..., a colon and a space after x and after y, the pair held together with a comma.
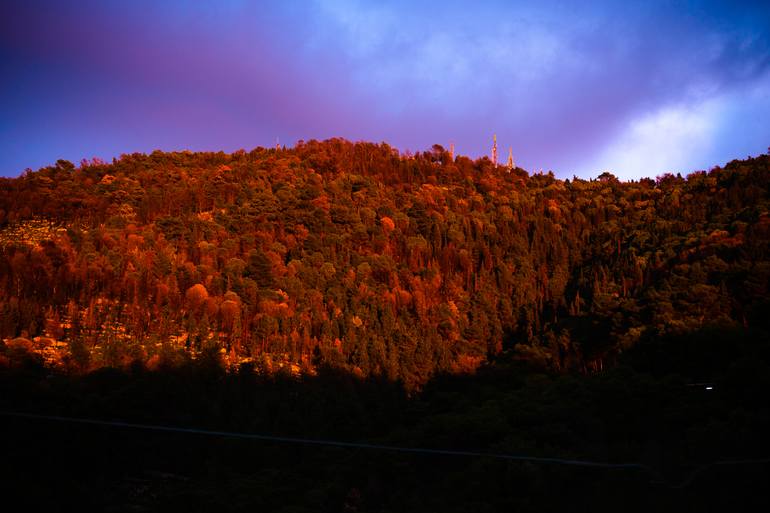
x: 352, y: 255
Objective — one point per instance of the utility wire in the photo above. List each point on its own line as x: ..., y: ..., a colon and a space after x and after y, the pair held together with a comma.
x: 322, y: 442
x: 381, y: 447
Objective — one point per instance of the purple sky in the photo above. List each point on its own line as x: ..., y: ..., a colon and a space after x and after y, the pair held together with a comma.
x: 576, y: 87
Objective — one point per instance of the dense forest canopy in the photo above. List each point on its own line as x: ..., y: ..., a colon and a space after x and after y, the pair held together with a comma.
x: 354, y: 256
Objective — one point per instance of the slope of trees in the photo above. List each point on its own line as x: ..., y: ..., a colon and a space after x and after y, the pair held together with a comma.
x: 353, y: 256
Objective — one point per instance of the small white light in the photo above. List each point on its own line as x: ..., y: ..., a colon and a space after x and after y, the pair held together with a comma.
x: 709, y: 388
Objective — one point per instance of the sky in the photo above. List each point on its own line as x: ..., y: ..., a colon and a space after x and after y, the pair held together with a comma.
x: 634, y: 88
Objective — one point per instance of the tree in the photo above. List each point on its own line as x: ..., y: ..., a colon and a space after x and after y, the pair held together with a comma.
x: 196, y: 296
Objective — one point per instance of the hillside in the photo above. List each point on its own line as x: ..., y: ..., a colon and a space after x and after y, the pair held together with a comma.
x: 351, y: 255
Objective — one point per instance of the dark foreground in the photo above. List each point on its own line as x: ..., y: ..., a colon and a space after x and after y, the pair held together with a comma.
x: 629, y: 414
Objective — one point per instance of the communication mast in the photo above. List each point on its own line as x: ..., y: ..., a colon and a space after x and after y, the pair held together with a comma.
x: 510, y: 164
x: 494, y: 150
x: 452, y: 151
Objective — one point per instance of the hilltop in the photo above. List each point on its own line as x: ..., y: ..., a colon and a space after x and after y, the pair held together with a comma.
x: 353, y: 256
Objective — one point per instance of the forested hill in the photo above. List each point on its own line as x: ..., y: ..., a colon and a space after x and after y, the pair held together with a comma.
x: 354, y: 256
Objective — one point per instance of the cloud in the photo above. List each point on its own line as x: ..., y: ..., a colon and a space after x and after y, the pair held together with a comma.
x: 434, y: 57
x: 570, y: 85
x: 685, y: 137
x: 664, y: 141
x: 560, y: 89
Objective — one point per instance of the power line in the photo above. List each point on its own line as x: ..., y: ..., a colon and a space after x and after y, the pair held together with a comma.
x: 688, y: 480
x: 324, y: 442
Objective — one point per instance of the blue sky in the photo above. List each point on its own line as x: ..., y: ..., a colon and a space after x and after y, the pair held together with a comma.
x: 636, y: 88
